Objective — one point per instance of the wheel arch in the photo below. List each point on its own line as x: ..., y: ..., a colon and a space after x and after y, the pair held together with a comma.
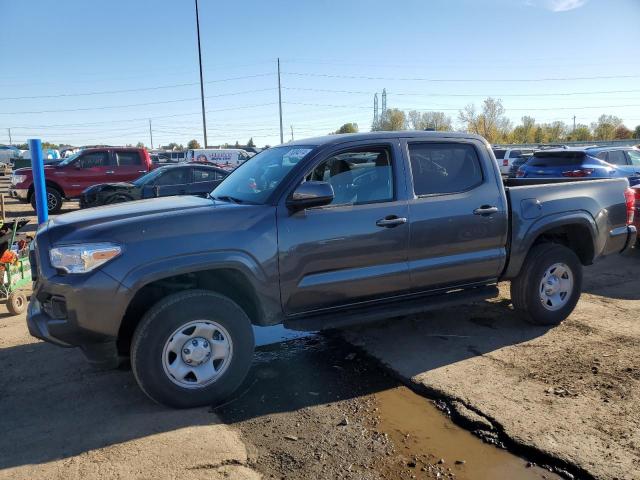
x: 576, y: 230
x: 48, y: 183
x: 230, y: 280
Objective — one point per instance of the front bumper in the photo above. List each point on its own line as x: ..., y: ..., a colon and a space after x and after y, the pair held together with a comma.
x: 19, y: 193
x: 76, y: 311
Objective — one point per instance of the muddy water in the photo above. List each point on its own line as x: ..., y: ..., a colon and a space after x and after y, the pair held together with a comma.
x: 419, y: 430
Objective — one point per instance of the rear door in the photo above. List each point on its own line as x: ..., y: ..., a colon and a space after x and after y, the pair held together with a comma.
x: 458, y: 214
x: 634, y: 161
x: 354, y: 250
x: 129, y: 165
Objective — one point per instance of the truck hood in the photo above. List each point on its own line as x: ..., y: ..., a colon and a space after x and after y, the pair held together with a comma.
x: 111, y: 221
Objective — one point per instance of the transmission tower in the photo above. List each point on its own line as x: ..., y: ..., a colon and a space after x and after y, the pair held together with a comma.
x: 384, y: 100
x: 375, y: 109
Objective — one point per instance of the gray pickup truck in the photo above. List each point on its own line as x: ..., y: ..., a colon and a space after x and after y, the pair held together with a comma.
x: 318, y: 233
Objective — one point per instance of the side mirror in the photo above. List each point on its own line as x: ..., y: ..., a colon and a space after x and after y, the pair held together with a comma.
x: 310, y: 194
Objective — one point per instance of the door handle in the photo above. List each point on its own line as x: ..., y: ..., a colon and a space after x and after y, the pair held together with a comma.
x: 109, y: 172
x: 142, y: 171
x: 485, y: 210
x: 391, y: 221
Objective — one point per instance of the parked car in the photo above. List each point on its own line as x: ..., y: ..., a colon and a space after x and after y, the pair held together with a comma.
x: 8, y: 153
x: 184, y: 179
x: 68, y: 179
x: 636, y: 213
x: 302, y: 234
x: 506, y: 156
x: 517, y: 163
x: 594, y: 162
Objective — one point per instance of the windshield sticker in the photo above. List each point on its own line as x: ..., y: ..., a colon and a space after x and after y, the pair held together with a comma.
x: 296, y: 154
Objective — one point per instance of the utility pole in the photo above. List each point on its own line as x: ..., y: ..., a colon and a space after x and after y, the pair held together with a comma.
x: 9, y: 135
x: 292, y: 133
x: 151, y: 134
x: 204, y: 119
x: 280, y: 102
x: 574, y: 124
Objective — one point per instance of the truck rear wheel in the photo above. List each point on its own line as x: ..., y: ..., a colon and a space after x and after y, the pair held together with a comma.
x: 549, y: 284
x: 54, y: 200
x: 192, y: 348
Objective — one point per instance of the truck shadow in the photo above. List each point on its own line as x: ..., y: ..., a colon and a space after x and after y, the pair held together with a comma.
x: 54, y: 406
x: 615, y: 276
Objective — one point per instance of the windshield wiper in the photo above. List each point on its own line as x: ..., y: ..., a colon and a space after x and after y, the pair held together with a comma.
x: 230, y: 199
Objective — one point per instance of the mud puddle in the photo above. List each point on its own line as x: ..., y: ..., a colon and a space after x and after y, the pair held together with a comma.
x: 314, y: 408
x: 434, y: 445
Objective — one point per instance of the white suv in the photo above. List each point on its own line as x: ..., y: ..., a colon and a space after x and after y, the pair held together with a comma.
x: 506, y: 156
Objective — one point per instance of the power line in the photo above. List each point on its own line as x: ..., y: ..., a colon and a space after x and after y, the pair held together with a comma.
x: 362, y: 92
x: 548, y: 79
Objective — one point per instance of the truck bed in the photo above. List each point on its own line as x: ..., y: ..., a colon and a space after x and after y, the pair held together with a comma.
x: 596, y: 207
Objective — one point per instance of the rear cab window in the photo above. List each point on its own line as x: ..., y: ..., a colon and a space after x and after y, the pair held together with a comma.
x: 556, y: 159
x: 444, y: 168
x: 499, y: 153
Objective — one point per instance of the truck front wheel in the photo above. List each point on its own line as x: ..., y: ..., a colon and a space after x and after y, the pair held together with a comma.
x: 192, y: 348
x: 549, y: 284
x: 54, y: 200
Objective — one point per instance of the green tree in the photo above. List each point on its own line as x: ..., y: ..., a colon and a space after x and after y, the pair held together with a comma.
x: 582, y: 133
x: 250, y: 143
x: 139, y: 145
x: 605, y: 127
x: 391, y: 120
x: 348, y: 128
x: 491, y: 122
x: 538, y: 135
x: 237, y: 145
x: 524, y: 133
x: 193, y: 144
x: 172, y: 146
x: 636, y: 132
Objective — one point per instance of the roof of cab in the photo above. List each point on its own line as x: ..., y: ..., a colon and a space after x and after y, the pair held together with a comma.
x: 354, y: 137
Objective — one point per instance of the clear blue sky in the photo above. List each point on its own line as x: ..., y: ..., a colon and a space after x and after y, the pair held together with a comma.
x: 335, y: 55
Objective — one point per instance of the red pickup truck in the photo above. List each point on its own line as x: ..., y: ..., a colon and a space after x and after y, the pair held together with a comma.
x: 88, y: 167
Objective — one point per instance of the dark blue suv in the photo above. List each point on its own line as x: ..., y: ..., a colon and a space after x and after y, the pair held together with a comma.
x: 593, y: 162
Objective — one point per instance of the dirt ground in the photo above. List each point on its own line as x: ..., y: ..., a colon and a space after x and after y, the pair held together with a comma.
x: 571, y: 392
x: 319, y: 407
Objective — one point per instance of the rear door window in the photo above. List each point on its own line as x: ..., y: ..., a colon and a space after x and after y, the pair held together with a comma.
x: 442, y: 168
x: 128, y: 158
x: 205, y: 175
x: 617, y: 157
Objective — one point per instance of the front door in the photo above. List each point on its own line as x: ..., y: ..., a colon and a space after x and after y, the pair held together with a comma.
x: 355, y: 249
x: 90, y: 168
x: 458, y: 215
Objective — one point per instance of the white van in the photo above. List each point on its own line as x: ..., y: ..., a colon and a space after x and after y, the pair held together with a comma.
x: 223, y: 157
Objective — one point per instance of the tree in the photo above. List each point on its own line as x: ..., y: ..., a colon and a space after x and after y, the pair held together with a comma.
x: 392, y: 119
x: 622, y: 133
x: 582, y: 133
x: 250, y: 143
x: 237, y: 145
x: 429, y: 120
x: 172, y: 146
x: 605, y: 127
x: 636, y: 132
x: 139, y: 145
x: 348, y: 128
x: 556, y: 131
x: 491, y: 123
x: 414, y: 119
x: 193, y: 144
x: 524, y: 133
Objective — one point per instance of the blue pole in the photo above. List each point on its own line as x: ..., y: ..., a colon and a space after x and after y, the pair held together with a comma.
x: 40, y: 190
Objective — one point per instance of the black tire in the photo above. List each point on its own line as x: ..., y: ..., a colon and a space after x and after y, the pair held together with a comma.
x: 16, y: 303
x: 156, y: 329
x: 54, y: 200
x: 526, y: 288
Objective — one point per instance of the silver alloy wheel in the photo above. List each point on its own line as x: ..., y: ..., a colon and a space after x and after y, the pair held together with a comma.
x: 197, y: 354
x: 556, y: 286
x: 52, y: 201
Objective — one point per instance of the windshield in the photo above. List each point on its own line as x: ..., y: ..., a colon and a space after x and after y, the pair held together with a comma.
x: 70, y: 159
x: 258, y: 177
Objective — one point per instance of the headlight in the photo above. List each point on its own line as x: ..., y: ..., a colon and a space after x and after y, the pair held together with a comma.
x: 84, y: 257
x: 16, y: 179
